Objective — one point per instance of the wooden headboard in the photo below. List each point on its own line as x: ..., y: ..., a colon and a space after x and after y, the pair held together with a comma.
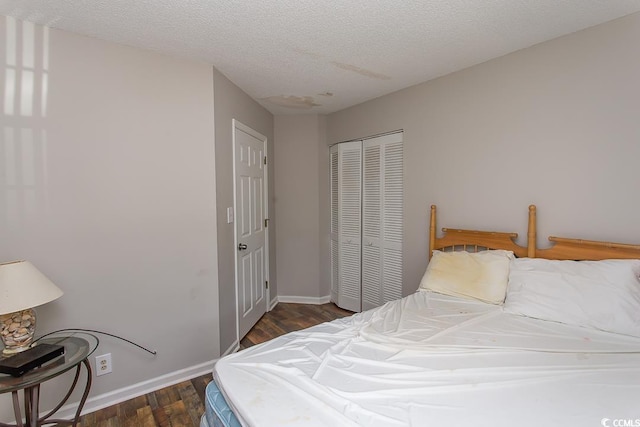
x: 578, y: 249
x: 563, y: 248
x: 474, y: 240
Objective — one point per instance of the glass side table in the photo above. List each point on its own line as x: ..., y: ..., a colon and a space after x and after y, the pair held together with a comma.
x: 76, y: 355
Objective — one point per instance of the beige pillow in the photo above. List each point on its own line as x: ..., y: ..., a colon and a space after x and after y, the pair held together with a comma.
x: 480, y: 275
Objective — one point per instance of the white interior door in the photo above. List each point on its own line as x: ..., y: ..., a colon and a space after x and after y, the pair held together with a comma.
x: 250, y: 186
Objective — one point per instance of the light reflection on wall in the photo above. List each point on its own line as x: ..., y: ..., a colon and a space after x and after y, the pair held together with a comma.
x: 23, y: 139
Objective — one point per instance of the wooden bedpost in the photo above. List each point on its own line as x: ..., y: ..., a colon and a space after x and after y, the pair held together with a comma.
x: 531, y: 234
x: 432, y: 230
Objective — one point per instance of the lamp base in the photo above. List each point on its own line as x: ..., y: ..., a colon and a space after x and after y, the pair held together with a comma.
x: 17, y: 330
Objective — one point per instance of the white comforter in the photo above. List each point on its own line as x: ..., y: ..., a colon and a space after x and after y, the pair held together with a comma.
x: 434, y: 360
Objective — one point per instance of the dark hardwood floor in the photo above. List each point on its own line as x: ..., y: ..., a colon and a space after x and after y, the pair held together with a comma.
x: 182, y: 405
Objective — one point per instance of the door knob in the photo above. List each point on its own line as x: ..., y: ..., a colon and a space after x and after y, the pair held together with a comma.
x: 242, y: 246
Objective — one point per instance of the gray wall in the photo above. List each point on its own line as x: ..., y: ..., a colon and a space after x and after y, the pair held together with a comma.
x: 555, y: 125
x: 299, y: 177
x: 232, y: 103
x: 110, y: 191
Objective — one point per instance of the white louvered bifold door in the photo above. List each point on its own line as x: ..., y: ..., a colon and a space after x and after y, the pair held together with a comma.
x: 366, y: 222
x: 333, y: 164
x: 382, y: 218
x: 349, y: 224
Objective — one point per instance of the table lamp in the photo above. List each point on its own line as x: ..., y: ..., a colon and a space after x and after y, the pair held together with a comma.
x: 22, y: 287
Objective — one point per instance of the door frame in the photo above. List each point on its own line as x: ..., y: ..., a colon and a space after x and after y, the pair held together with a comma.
x: 236, y: 124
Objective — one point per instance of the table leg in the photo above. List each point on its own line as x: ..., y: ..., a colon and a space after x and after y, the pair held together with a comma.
x: 16, y: 409
x: 87, y: 387
x: 85, y: 394
x: 35, y: 404
x: 27, y: 406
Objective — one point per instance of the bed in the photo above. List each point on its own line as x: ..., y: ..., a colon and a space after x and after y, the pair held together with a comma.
x: 563, y: 349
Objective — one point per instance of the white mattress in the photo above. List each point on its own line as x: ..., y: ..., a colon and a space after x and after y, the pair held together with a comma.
x: 434, y: 360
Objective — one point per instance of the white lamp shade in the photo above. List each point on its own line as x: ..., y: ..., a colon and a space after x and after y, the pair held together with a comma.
x: 22, y: 286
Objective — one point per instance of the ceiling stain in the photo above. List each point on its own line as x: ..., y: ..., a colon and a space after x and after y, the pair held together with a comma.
x: 342, y: 65
x: 292, y: 101
x: 326, y: 94
x: 308, y: 53
x: 362, y: 71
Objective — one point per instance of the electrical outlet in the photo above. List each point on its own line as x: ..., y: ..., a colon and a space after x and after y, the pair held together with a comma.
x: 103, y: 364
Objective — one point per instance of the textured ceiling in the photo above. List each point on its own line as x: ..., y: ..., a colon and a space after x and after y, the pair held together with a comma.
x: 297, y: 56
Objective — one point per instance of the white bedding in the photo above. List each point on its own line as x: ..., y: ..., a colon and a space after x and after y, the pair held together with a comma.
x: 435, y: 360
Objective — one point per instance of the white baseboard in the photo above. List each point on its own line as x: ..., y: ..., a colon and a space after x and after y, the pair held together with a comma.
x: 273, y: 303
x: 235, y: 346
x: 305, y: 300
x: 117, y: 396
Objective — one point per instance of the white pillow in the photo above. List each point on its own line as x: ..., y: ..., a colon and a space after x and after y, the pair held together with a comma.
x: 603, y: 295
x: 480, y: 275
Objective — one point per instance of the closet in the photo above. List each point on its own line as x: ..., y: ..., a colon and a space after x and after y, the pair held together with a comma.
x: 366, y: 221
